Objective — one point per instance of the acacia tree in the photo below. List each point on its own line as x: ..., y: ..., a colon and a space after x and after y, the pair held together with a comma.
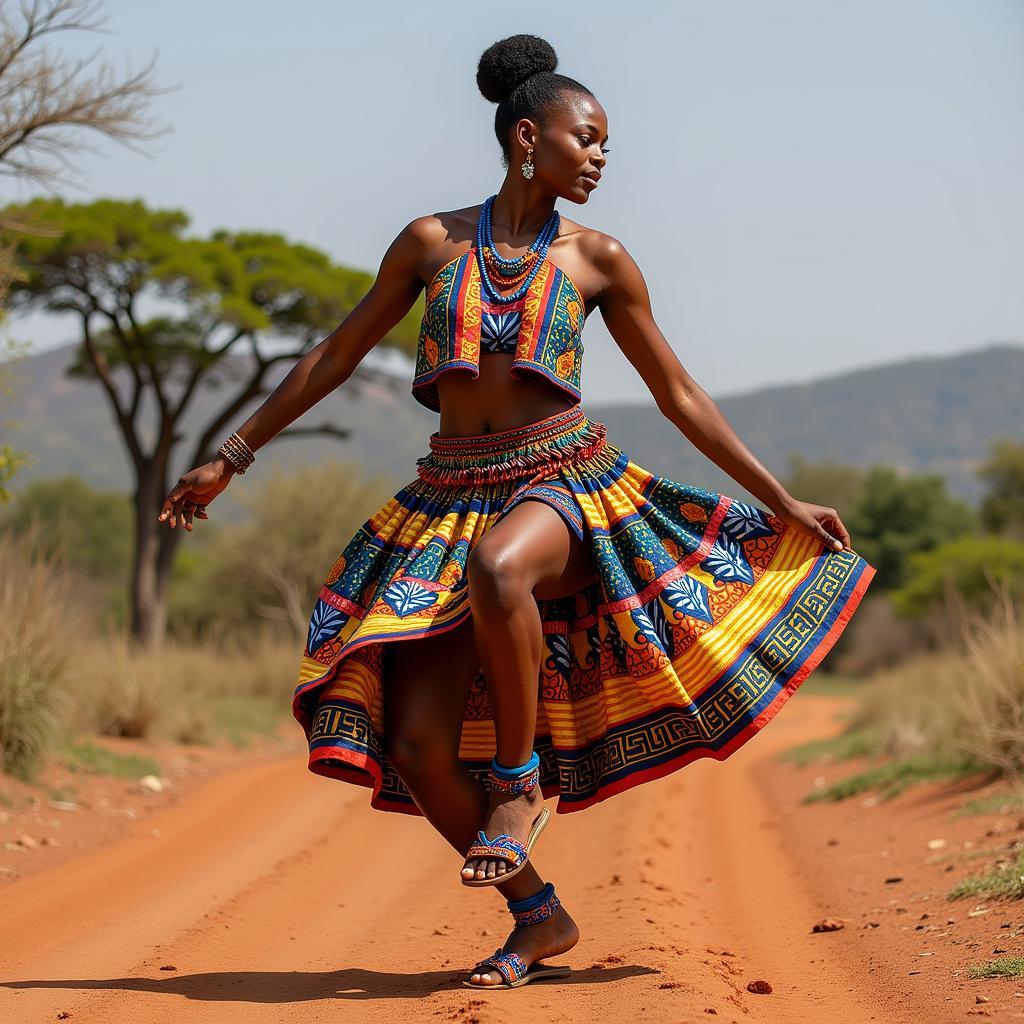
x: 244, y: 303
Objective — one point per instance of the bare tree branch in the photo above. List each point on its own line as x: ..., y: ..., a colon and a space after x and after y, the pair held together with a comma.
x: 253, y: 388
x: 125, y: 421
x: 200, y: 370
x: 44, y: 99
x: 324, y: 429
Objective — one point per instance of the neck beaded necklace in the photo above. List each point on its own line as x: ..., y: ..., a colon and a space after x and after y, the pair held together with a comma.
x: 496, y: 270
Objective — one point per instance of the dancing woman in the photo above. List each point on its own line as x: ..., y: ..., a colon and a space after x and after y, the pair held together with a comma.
x: 536, y: 615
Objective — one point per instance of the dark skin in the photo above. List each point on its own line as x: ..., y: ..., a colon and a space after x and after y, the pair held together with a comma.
x: 530, y: 554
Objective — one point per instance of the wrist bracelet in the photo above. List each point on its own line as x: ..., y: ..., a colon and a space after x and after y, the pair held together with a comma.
x: 237, y: 452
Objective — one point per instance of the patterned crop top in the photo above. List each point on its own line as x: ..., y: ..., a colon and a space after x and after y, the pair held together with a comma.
x: 543, y: 331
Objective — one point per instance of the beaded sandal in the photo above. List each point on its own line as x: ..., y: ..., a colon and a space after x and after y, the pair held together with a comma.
x: 511, y: 966
x: 504, y: 847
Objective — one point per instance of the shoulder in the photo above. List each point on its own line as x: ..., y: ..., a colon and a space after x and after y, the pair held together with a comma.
x: 449, y: 225
x: 606, y: 254
x: 436, y: 238
x: 425, y: 243
x: 610, y: 256
x: 600, y: 249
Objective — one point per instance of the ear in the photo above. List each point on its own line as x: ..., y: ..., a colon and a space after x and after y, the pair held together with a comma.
x: 525, y: 133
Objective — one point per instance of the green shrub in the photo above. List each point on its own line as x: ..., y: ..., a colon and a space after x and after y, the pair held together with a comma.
x: 971, y: 565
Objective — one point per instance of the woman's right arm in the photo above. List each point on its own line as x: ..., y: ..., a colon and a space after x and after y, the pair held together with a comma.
x: 397, y: 285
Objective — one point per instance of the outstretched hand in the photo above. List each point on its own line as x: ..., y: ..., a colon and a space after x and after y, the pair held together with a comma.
x: 818, y: 521
x: 195, y: 490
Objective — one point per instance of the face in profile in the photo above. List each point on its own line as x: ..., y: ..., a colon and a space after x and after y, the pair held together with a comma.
x: 569, y: 152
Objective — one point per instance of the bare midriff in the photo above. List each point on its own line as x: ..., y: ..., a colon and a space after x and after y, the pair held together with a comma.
x: 495, y: 400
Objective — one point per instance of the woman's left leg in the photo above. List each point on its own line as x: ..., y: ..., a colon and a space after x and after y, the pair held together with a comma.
x: 529, y: 554
x: 426, y: 684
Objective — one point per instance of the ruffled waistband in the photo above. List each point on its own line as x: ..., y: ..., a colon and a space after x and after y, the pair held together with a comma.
x: 533, y: 450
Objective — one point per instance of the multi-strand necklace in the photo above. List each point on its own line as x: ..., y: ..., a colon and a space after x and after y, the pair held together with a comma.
x: 518, y: 272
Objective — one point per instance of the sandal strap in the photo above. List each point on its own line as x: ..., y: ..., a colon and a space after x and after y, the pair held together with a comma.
x: 504, y: 846
x: 510, y: 966
x: 536, y: 908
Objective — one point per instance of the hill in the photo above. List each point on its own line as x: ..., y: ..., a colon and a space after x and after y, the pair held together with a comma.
x: 926, y: 414
x: 934, y: 414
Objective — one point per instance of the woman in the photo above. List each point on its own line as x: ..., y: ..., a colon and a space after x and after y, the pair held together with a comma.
x: 571, y: 624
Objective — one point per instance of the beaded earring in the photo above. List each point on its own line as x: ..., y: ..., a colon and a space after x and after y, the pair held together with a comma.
x: 528, y: 164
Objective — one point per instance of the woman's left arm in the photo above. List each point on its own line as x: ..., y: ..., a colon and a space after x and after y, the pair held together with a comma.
x: 625, y: 305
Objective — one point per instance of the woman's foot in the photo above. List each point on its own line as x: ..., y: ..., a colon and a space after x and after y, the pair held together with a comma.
x: 557, y: 934
x: 506, y: 813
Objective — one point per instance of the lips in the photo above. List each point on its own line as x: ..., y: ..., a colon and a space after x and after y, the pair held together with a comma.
x: 593, y: 179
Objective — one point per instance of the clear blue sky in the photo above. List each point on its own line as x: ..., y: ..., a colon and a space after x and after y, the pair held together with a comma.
x: 808, y: 188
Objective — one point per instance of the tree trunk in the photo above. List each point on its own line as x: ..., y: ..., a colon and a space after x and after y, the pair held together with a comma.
x: 155, y: 545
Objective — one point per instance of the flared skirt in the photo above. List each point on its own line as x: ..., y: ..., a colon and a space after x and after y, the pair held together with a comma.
x: 706, y: 614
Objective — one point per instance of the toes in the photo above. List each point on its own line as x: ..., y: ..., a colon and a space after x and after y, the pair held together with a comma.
x: 484, y: 868
x: 487, y: 978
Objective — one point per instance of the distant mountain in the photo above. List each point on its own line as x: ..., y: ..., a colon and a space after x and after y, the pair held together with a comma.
x: 932, y: 414
x: 67, y: 425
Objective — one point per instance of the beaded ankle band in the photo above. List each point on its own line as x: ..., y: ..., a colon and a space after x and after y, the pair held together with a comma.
x: 536, y: 908
x: 515, y: 780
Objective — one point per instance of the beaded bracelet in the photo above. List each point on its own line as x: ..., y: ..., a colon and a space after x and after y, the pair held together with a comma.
x: 237, y: 452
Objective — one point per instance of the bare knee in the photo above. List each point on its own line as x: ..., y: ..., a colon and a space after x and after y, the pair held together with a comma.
x: 418, y: 752
x: 426, y: 683
x: 494, y: 578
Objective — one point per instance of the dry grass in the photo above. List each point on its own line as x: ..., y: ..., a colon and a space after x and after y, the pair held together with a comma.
x: 983, y: 687
x: 41, y: 633
x: 185, y: 692
x: 962, y: 704
x: 62, y: 679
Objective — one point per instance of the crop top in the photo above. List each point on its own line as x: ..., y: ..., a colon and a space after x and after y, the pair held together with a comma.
x: 543, y: 331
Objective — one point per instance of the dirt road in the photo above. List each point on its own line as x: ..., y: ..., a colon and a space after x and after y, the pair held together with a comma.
x: 279, y: 896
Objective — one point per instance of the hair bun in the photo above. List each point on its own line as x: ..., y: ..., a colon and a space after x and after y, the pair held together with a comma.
x: 508, y: 62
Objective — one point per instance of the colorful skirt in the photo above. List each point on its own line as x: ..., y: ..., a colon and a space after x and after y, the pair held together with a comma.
x: 706, y: 614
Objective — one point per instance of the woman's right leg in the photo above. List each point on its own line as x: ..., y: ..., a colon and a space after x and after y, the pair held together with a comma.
x: 426, y: 685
